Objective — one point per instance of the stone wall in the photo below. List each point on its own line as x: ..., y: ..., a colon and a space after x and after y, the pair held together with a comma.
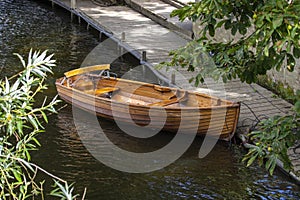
x: 291, y: 79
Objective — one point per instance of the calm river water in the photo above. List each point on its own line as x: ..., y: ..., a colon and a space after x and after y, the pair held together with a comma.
x: 26, y: 24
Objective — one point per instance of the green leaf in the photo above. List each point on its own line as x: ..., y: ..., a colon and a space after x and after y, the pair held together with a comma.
x: 17, y: 175
x: 296, y: 52
x: 191, y: 79
x: 20, y: 126
x: 228, y: 24
x: 277, y: 22
x: 269, y: 163
x: 36, y: 141
x: 266, y: 51
x: 272, y: 168
x: 29, y: 62
x: 279, y: 61
x: 27, y: 165
x: 252, y: 159
x: 44, y: 116
x: 21, y: 59
x: 290, y: 63
x: 33, y: 122
x: 234, y: 29
x: 297, y: 106
x: 242, y: 30
x: 211, y: 30
x: 220, y: 23
x: 28, y: 156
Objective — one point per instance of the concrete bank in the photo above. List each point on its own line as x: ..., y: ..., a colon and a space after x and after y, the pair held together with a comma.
x: 151, y: 42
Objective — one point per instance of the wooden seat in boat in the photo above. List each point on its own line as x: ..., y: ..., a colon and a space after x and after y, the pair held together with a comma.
x: 167, y: 102
x: 101, y: 91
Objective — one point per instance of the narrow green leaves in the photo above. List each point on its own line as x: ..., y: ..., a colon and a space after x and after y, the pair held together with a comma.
x: 63, y: 191
x: 21, y: 121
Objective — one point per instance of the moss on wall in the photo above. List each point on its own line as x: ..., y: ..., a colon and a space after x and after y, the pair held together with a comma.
x: 282, y: 90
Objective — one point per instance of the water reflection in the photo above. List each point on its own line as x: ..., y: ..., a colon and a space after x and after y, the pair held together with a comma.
x: 220, y: 175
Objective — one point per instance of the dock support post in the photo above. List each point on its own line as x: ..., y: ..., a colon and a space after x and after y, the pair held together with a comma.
x: 173, y: 78
x: 52, y: 3
x: 73, y: 4
x: 120, y: 47
x: 73, y: 7
x: 79, y: 20
x: 100, y: 36
x: 144, y: 56
x: 123, y: 37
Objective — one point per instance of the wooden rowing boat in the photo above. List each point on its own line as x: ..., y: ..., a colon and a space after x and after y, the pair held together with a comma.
x: 116, y: 98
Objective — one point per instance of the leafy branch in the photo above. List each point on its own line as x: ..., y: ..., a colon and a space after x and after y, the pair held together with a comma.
x: 264, y: 35
x: 20, y: 123
x: 273, y: 139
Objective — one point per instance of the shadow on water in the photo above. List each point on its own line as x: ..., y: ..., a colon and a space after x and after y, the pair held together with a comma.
x: 26, y: 24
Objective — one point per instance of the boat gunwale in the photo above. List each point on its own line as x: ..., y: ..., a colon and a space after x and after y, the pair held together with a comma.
x: 231, y: 104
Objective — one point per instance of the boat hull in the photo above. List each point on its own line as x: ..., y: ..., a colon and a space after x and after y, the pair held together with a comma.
x: 218, y: 121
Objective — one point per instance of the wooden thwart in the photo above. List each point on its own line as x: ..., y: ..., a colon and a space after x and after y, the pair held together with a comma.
x: 169, y: 101
x: 161, y: 88
x: 86, y: 70
x: 101, y: 91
